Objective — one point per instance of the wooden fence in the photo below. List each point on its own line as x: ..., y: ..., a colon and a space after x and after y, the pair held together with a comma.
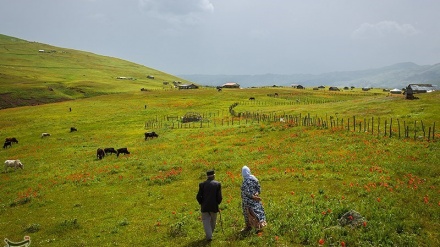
x: 374, y: 126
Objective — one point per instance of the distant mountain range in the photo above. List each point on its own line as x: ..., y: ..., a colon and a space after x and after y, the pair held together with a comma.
x: 394, y: 76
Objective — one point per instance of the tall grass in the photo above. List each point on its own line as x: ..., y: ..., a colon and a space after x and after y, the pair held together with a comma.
x: 310, y: 176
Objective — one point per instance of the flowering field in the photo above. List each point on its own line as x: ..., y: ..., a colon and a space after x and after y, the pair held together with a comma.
x: 310, y: 176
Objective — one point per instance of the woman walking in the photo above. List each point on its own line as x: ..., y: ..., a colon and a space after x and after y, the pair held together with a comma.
x: 253, y: 210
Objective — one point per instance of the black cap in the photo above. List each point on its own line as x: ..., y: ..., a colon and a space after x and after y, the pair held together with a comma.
x: 210, y: 173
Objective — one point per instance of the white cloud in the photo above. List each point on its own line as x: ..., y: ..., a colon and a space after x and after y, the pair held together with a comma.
x: 383, y: 29
x: 176, y: 11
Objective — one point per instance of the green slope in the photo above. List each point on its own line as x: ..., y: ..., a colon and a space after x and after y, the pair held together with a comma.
x: 34, y: 73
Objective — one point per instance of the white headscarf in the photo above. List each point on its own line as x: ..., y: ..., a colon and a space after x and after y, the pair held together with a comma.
x: 246, y: 173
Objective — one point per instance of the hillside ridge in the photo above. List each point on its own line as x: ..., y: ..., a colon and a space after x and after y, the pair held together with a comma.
x: 36, y: 73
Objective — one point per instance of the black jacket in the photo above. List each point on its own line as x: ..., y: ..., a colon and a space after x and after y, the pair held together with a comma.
x: 209, y: 195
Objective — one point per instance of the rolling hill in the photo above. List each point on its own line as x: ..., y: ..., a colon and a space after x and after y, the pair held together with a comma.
x: 34, y: 73
x: 394, y: 76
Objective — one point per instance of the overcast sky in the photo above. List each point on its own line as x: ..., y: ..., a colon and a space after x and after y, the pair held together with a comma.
x: 236, y: 36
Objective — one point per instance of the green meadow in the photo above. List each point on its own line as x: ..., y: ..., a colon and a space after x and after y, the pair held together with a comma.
x: 371, y: 152
x: 310, y: 175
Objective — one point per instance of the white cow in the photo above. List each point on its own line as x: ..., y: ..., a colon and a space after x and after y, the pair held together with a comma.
x: 13, y: 163
x: 44, y: 135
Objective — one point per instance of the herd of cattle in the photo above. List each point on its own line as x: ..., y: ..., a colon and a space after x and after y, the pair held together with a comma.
x: 100, y: 153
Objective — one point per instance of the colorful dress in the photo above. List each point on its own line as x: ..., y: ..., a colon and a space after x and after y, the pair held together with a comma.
x: 251, y: 207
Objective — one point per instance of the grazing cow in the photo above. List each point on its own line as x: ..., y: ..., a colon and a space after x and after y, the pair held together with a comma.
x: 13, y: 163
x: 7, y: 144
x: 100, y: 153
x: 122, y: 151
x: 150, y: 135
x: 252, y: 98
x: 72, y: 129
x: 110, y: 151
x: 44, y: 135
x: 12, y: 139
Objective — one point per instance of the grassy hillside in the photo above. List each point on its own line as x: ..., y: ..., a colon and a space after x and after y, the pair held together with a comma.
x: 310, y: 175
x: 33, y: 73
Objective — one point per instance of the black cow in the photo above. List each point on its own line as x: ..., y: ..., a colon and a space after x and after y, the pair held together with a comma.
x: 12, y: 139
x: 251, y: 98
x: 72, y: 129
x: 100, y: 153
x: 7, y: 144
x: 150, y: 135
x: 110, y: 151
x: 122, y: 151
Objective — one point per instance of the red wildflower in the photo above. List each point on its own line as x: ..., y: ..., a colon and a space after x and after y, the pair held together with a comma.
x: 292, y: 193
x: 350, y: 217
x: 276, y: 238
x: 174, y: 212
x: 364, y: 224
x: 426, y: 199
x: 313, y: 196
x: 321, y: 242
x: 378, y: 199
x: 342, y: 244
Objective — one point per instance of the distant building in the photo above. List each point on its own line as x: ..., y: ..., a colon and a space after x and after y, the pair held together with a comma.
x: 188, y: 86
x: 231, y: 85
x: 396, y: 91
x: 422, y: 88
x: 297, y: 86
x: 125, y: 78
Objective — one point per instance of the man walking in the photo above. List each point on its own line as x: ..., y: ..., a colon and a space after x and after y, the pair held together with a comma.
x: 209, y: 197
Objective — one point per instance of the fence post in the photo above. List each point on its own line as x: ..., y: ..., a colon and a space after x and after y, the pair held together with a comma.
x: 378, y: 126
x: 415, y: 129
x: 391, y: 125
x: 354, y: 123
x: 404, y: 129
